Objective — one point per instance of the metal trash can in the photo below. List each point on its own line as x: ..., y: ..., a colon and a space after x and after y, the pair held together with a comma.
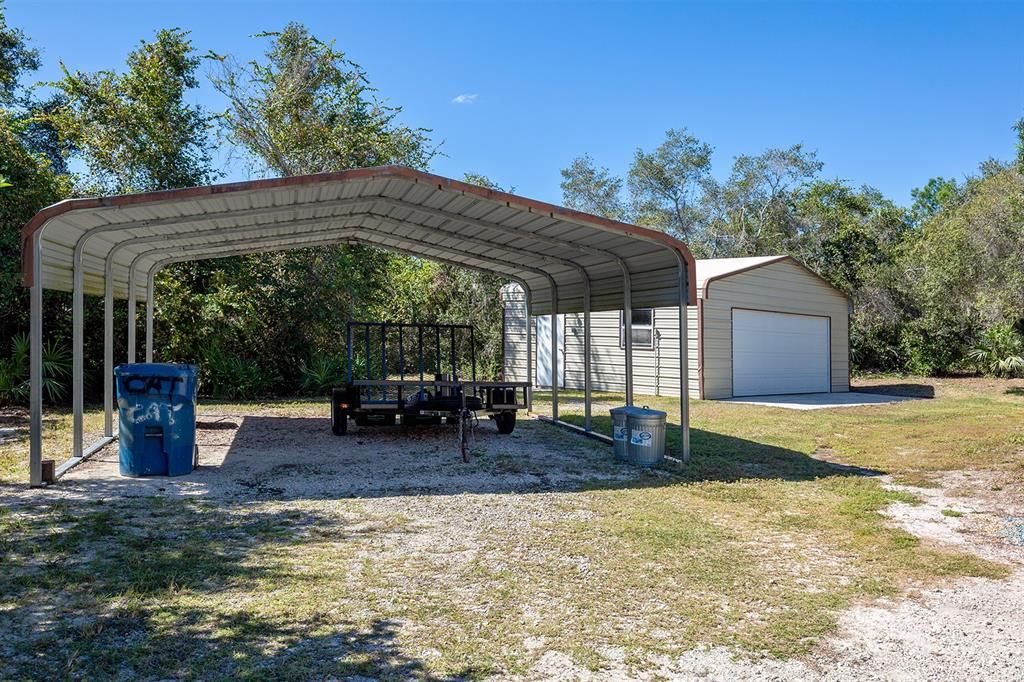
x: 646, y: 427
x: 620, y: 430
x: 157, y: 418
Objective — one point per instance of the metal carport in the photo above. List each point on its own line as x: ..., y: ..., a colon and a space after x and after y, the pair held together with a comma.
x: 566, y: 261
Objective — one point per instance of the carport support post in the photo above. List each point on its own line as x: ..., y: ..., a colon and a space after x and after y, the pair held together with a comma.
x: 684, y: 363
x: 108, y: 352
x: 35, y: 456
x: 150, y: 295
x: 554, y: 353
x: 586, y: 357
x: 77, y: 349
x: 627, y: 318
x: 131, y: 317
x: 529, y: 350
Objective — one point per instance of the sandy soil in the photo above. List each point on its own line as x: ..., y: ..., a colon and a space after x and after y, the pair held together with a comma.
x: 966, y: 630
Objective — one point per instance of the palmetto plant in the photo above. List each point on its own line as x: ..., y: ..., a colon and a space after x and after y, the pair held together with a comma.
x: 1001, y: 352
x: 320, y: 374
x: 14, y: 371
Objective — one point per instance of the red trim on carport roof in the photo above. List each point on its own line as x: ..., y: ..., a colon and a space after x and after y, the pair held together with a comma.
x: 442, y: 183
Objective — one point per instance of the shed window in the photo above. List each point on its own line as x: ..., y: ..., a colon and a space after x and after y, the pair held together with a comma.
x: 643, y: 328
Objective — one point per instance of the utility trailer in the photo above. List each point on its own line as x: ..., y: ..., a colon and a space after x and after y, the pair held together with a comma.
x: 385, y: 388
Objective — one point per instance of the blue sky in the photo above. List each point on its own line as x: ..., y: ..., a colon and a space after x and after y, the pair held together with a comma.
x: 888, y: 94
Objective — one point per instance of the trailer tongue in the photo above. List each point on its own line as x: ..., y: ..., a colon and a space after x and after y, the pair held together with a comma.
x: 384, y: 388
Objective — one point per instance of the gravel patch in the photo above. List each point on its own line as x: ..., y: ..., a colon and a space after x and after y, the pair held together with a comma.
x: 965, y: 630
x: 278, y: 457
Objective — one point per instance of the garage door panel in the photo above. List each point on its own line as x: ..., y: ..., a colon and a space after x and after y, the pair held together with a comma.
x: 777, y: 353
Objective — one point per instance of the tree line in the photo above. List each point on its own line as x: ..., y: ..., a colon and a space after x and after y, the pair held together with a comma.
x: 937, y: 286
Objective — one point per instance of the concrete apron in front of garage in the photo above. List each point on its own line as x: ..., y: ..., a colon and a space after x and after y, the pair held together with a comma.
x: 820, y: 401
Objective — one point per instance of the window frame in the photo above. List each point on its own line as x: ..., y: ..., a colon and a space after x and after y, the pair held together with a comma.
x: 622, y: 330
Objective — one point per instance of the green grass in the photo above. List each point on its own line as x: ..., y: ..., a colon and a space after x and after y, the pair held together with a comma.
x: 756, y: 544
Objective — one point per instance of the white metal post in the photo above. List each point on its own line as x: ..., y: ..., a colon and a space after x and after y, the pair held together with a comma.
x: 108, y: 352
x: 627, y: 318
x: 529, y: 352
x: 587, y: 426
x: 131, y: 317
x: 77, y: 350
x: 150, y: 295
x: 684, y: 363
x: 554, y: 352
x: 35, y: 457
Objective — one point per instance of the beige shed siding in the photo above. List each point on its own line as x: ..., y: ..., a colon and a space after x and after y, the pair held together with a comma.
x: 783, y: 287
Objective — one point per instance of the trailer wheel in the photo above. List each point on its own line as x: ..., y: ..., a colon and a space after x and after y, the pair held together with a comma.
x: 505, y: 421
x: 339, y: 425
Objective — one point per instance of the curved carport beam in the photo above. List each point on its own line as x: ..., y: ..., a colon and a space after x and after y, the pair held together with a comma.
x: 524, y: 233
x: 332, y: 236
x: 337, y: 235
x: 108, y: 288
x: 335, y: 238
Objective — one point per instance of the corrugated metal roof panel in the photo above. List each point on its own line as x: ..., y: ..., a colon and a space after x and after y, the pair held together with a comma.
x: 394, y: 208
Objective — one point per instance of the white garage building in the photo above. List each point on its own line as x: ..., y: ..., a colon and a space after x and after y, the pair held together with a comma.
x: 762, y: 326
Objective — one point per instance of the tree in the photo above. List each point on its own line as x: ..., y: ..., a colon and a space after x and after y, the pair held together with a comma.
x: 16, y: 59
x: 134, y: 131
x: 27, y: 180
x: 1018, y: 128
x: 753, y: 212
x: 665, y: 184
x: 964, y: 274
x: 936, y: 195
x: 588, y: 188
x: 302, y: 107
x: 307, y: 108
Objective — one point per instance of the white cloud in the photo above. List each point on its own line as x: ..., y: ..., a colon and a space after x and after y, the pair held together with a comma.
x: 464, y: 99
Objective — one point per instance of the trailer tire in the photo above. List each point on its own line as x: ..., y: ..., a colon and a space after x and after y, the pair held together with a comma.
x: 505, y: 421
x: 339, y: 427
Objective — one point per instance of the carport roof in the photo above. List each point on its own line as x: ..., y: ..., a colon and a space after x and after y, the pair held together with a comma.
x: 394, y: 208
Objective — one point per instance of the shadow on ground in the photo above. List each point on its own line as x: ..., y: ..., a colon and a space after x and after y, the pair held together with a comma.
x: 105, y: 591
x: 905, y: 390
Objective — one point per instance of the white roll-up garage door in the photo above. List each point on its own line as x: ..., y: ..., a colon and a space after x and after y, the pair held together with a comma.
x: 775, y: 353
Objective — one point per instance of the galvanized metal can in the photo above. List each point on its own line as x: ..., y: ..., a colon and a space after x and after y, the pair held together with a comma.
x: 620, y: 434
x: 646, y: 433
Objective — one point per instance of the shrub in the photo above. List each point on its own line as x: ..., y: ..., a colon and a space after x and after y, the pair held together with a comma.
x: 14, y: 372
x: 1001, y: 352
x: 224, y: 375
x: 319, y: 375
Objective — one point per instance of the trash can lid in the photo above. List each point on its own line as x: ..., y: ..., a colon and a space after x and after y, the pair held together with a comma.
x: 634, y: 411
x: 647, y: 412
x: 155, y: 369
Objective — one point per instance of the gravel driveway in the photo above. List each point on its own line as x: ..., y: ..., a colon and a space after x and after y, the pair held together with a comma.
x: 966, y: 630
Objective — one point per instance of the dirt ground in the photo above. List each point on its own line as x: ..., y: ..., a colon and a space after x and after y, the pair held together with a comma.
x: 967, y: 629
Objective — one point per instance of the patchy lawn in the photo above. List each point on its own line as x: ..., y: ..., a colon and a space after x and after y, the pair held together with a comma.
x: 961, y: 423
x: 756, y: 545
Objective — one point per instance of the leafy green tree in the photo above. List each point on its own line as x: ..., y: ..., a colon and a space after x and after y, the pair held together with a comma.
x: 592, y: 189
x: 936, y: 195
x: 303, y: 107
x: 307, y: 108
x: 753, y: 212
x: 1018, y: 128
x: 665, y: 185
x: 964, y: 274
x: 135, y: 131
x: 16, y: 59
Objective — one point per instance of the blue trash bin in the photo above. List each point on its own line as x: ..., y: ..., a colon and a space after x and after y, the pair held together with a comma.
x: 157, y: 423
